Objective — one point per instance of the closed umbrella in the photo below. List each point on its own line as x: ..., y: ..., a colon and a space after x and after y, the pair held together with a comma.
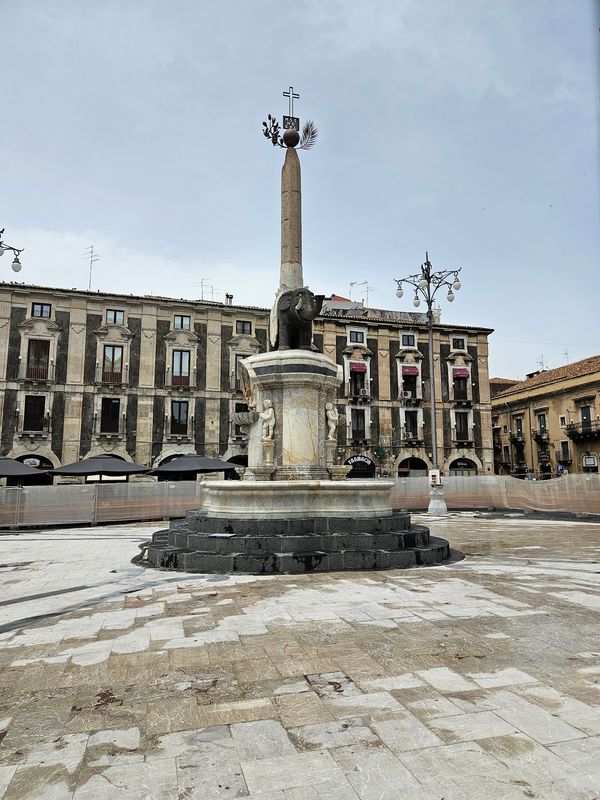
x: 11, y: 468
x: 104, y: 464
x: 191, y: 462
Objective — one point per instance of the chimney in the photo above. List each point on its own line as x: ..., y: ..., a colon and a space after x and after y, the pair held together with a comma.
x: 228, y: 299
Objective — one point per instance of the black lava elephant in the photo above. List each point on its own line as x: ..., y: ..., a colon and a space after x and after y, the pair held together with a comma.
x: 296, y: 310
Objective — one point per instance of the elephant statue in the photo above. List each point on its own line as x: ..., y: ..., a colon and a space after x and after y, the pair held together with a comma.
x: 291, y: 319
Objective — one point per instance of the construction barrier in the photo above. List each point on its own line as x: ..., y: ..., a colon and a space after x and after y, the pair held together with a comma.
x: 100, y: 503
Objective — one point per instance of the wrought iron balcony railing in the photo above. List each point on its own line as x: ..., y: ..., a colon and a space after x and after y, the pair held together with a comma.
x: 580, y: 431
x: 36, y: 372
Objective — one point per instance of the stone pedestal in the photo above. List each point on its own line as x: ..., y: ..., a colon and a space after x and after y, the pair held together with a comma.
x: 298, y: 383
x: 437, y: 504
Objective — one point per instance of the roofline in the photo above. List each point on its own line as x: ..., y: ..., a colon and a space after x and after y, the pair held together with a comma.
x: 13, y: 286
x: 98, y: 295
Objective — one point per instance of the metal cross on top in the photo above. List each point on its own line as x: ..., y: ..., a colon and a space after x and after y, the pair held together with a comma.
x: 291, y: 122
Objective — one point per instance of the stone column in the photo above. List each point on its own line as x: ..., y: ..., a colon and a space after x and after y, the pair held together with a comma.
x: 291, y: 223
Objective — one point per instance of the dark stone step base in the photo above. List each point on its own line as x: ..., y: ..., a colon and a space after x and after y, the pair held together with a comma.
x: 199, y: 522
x: 224, y: 543
x: 160, y: 553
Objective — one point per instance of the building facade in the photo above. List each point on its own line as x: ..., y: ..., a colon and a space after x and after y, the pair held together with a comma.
x: 549, y: 423
x: 146, y: 378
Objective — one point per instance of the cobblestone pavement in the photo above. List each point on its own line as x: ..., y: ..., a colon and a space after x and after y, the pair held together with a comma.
x: 475, y: 680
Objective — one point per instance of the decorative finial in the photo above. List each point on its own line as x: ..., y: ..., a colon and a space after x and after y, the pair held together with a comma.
x: 291, y: 128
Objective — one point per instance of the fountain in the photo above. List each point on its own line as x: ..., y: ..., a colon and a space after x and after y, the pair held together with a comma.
x: 294, y: 511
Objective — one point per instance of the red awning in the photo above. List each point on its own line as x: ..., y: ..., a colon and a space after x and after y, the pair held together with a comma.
x: 410, y: 370
x: 460, y: 373
x: 358, y: 366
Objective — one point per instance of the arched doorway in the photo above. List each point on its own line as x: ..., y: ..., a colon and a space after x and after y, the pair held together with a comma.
x: 462, y: 467
x: 362, y: 467
x: 412, y: 467
x: 41, y: 463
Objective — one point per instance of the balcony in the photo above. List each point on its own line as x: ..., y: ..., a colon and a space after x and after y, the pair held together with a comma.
x: 583, y: 431
x: 36, y: 373
x: 110, y: 429
x: 497, y: 442
x: 543, y: 455
x: 360, y: 396
x: 460, y: 397
x: 541, y: 436
x: 112, y: 377
x: 564, y: 457
x: 517, y: 438
x: 412, y: 438
x: 409, y: 398
x: 179, y: 382
x: 463, y: 438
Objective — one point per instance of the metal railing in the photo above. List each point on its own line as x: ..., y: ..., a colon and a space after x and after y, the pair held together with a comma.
x: 36, y: 372
x: 112, y: 377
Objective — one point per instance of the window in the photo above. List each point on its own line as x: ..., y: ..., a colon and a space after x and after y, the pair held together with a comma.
x: 460, y: 389
x: 41, y: 310
x: 179, y: 417
x: 408, y: 340
x: 564, y: 451
x: 238, y: 370
x: 109, y: 415
x: 519, y: 426
x: 461, y: 419
x: 458, y: 343
x: 38, y: 353
x: 356, y: 337
x: 181, y: 322
x: 180, y: 375
x: 506, y: 454
x: 562, y: 421
x: 114, y: 317
x: 238, y: 409
x: 586, y: 417
x: 410, y: 424
x: 409, y: 385
x: 243, y: 326
x: 112, y: 365
x: 358, y: 375
x: 33, y: 419
x: 541, y: 421
x: 357, y: 420
x: 505, y: 429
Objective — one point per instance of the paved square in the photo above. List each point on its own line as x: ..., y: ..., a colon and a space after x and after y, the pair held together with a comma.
x: 477, y: 679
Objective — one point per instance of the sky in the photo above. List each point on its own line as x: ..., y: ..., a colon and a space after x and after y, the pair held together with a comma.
x: 465, y: 128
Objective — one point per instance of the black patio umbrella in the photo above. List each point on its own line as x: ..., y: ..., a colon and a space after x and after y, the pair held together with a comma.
x: 104, y: 464
x: 191, y: 462
x: 11, y: 468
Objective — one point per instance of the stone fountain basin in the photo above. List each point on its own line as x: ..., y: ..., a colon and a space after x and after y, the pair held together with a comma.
x: 297, y: 499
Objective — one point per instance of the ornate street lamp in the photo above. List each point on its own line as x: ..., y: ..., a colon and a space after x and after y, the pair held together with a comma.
x: 16, y: 264
x: 426, y: 285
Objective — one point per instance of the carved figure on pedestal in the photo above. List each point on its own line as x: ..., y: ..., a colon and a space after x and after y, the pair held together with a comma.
x: 291, y: 319
x: 268, y: 420
x: 333, y: 418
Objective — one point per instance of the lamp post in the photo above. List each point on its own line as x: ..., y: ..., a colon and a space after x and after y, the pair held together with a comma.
x: 427, y: 283
x: 16, y: 264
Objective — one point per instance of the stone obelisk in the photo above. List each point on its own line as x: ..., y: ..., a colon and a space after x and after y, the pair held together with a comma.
x: 290, y: 276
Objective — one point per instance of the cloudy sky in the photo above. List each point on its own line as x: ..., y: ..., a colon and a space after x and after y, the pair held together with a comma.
x: 468, y: 128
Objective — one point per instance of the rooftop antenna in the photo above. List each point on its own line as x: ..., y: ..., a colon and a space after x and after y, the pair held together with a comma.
x: 204, y: 285
x: 541, y: 362
x: 566, y: 353
x: 367, y: 290
x: 89, y: 253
